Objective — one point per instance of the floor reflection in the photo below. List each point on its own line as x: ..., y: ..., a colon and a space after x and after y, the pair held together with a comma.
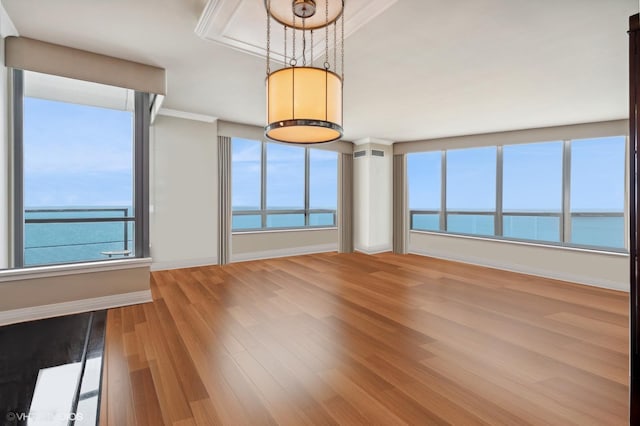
x: 50, y: 370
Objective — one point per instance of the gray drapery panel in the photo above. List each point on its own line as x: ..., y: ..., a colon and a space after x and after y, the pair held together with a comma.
x: 345, y: 207
x: 399, y: 205
x: 224, y: 199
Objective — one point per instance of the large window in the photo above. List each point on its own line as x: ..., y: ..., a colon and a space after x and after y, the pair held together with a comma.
x: 76, y: 184
x: 563, y: 192
x: 277, y: 186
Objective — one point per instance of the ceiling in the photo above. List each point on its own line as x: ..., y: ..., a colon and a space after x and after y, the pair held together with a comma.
x: 420, y: 69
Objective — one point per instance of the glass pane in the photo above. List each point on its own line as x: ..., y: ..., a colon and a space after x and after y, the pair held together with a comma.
x: 471, y: 187
x: 246, y: 222
x: 285, y: 220
x: 424, y: 177
x: 542, y: 228
x: 471, y: 179
x: 425, y: 222
x: 47, y: 243
x: 78, y: 164
x: 245, y: 174
x: 323, y: 179
x: 599, y: 231
x: 321, y: 219
x: 532, y: 178
x: 285, y: 177
x: 598, y: 186
x: 471, y: 224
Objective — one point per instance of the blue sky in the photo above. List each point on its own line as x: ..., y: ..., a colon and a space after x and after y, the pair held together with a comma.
x: 532, y: 177
x: 76, y: 155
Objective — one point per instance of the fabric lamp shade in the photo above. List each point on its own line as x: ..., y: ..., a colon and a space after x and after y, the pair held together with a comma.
x: 304, y: 105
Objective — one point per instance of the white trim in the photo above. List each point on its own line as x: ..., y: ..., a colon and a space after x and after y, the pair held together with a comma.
x: 365, y: 141
x: 382, y: 248
x: 155, y: 108
x: 187, y: 263
x: 293, y: 251
x: 523, y: 243
x: 206, y: 18
x: 9, y: 275
x: 7, y: 28
x: 73, y: 307
x: 187, y: 115
x: 574, y: 278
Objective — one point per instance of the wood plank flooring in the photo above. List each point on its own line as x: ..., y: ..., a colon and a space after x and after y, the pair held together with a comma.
x: 355, y: 339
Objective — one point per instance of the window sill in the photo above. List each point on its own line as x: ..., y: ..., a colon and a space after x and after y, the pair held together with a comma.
x: 276, y: 231
x: 72, y: 269
x: 619, y: 253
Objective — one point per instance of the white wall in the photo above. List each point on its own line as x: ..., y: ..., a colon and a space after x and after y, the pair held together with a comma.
x: 4, y: 161
x: 609, y: 270
x: 183, y: 193
x: 373, y: 199
x: 264, y: 245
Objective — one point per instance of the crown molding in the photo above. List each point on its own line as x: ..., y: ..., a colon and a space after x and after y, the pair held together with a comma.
x: 365, y: 141
x: 232, y: 23
x: 7, y: 28
x: 187, y: 115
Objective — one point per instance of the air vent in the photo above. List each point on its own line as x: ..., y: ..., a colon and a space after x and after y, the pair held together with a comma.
x: 377, y: 153
x: 359, y: 154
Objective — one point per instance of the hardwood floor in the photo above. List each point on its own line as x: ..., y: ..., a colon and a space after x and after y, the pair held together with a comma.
x: 356, y: 339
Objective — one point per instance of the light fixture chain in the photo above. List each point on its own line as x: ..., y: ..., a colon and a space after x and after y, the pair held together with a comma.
x: 342, y: 47
x: 285, y: 45
x: 268, y: 37
x: 326, y: 34
x: 293, y: 54
x: 311, y: 60
x: 335, y: 47
x: 304, y: 44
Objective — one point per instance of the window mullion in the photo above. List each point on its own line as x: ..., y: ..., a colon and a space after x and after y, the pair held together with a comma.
x: 263, y: 185
x: 565, y: 226
x: 443, y: 191
x: 307, y: 162
x: 18, y: 169
x: 498, y: 231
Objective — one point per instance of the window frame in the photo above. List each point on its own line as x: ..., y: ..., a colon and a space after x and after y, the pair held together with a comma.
x: 263, y: 212
x: 140, y: 168
x: 565, y: 215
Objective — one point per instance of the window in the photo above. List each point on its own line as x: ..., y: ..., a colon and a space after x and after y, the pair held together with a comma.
x: 471, y: 190
x: 532, y: 191
x: 562, y: 192
x: 277, y: 186
x: 323, y: 187
x: 77, y: 182
x: 246, y: 184
x: 425, y: 196
x: 597, y: 192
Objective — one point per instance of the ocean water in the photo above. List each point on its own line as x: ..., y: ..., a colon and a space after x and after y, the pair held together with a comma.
x: 48, y: 243
x: 588, y: 231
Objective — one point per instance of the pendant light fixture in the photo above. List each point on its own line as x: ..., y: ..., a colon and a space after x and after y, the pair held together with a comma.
x: 304, y: 94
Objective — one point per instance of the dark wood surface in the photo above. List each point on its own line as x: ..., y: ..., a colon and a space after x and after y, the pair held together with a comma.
x: 356, y: 339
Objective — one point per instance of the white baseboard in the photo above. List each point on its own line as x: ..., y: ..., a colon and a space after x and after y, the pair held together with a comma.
x: 74, y: 307
x: 188, y: 263
x: 293, y: 251
x: 383, y: 248
x: 574, y: 278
